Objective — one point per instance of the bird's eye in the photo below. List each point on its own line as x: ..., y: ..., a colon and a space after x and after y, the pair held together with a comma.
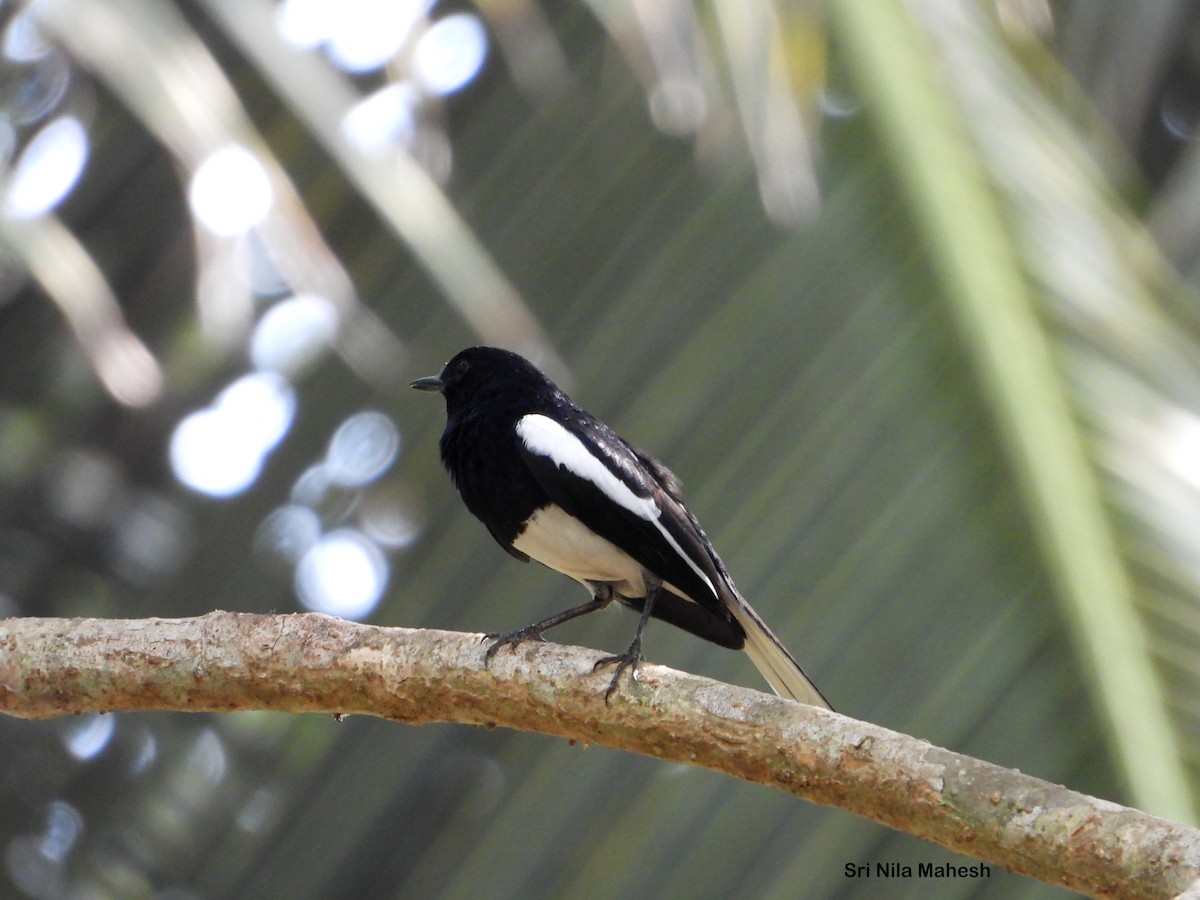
x: 461, y: 369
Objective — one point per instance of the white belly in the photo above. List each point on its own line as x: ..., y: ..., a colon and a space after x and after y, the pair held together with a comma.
x: 563, y: 543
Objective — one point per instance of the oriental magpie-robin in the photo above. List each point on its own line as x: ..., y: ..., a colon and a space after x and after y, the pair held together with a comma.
x: 553, y: 483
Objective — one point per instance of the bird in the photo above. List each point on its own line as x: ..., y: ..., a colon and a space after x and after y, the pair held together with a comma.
x: 553, y: 483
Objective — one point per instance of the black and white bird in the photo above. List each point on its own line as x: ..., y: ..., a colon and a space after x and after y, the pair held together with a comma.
x: 553, y: 483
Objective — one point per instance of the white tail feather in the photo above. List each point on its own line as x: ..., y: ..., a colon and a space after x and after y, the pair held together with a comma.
x: 771, y: 658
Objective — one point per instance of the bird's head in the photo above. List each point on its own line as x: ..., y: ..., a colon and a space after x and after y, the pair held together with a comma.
x: 478, y: 374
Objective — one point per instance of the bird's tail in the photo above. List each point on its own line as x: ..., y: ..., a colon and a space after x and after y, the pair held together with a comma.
x: 772, y: 659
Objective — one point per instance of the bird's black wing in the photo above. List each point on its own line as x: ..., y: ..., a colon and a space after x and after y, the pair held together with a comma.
x: 623, y: 496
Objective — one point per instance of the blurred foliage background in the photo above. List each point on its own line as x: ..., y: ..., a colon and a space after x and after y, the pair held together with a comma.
x: 904, y: 292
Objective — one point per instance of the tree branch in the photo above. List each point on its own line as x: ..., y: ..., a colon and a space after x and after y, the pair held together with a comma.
x: 314, y: 663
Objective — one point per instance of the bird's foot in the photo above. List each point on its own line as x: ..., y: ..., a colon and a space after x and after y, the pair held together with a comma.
x: 511, y: 639
x: 630, y: 659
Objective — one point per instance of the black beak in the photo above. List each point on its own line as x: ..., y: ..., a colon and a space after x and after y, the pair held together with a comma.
x: 429, y: 383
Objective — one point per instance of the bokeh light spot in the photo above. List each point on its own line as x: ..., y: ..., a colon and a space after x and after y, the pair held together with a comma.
x: 146, y: 753
x: 363, y: 448
x: 151, y: 538
x: 258, y: 811
x: 288, y: 533
x: 316, y: 490
x: 31, y: 871
x: 368, y: 33
x: 343, y: 574
x: 84, y: 488
x: 40, y: 88
x: 48, y: 168
x: 64, y: 825
x: 293, y: 334
x: 87, y: 736
x: 23, y: 40
x: 231, y: 191
x: 206, y: 762
x: 450, y: 53
x: 220, y: 450
x: 385, y: 119
x: 306, y: 23
x: 205, y: 460
x: 389, y: 518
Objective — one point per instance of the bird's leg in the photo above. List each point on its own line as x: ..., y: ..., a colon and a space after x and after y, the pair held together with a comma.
x: 631, y: 657
x: 602, y: 598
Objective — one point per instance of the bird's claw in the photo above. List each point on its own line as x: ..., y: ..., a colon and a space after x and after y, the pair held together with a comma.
x: 628, y: 660
x: 510, y: 639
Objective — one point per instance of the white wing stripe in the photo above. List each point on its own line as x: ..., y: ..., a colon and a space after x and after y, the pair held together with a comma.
x: 545, y: 437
